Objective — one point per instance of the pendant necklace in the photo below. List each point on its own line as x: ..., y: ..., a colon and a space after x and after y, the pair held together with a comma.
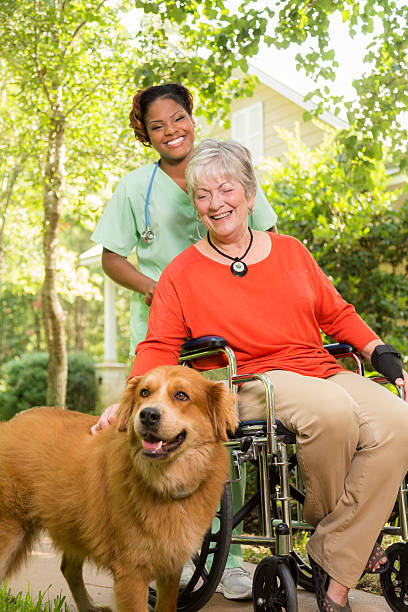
x: 238, y: 267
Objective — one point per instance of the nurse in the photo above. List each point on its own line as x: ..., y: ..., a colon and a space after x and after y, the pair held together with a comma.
x: 163, y: 224
x: 151, y: 212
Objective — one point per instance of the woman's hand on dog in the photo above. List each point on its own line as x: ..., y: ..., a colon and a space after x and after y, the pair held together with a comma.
x: 107, y: 418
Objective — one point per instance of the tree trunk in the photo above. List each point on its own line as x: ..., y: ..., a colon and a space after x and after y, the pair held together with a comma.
x: 53, y: 314
x: 6, y: 193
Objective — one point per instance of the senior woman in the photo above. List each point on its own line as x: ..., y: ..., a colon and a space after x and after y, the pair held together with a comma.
x: 267, y: 296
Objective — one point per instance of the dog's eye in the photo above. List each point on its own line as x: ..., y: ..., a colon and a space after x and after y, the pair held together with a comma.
x: 180, y: 395
x: 144, y: 393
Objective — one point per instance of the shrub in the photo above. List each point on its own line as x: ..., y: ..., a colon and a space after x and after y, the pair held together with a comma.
x: 81, y: 386
x: 25, y: 384
x: 352, y: 226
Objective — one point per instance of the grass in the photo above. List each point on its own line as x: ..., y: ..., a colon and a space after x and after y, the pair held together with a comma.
x: 25, y: 603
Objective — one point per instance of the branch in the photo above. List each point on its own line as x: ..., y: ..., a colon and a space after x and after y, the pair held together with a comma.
x: 37, y: 66
x: 81, y: 99
x: 9, y: 189
x: 79, y: 27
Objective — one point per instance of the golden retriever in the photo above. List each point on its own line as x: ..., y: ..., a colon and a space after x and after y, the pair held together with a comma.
x: 137, y: 498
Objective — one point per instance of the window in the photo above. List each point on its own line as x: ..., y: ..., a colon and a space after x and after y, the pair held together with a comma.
x: 247, y: 128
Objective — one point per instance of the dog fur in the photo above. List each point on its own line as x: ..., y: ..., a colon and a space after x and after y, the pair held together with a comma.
x: 138, y: 508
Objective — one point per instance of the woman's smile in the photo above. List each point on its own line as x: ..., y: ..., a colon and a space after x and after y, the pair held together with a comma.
x: 218, y: 216
x: 175, y: 142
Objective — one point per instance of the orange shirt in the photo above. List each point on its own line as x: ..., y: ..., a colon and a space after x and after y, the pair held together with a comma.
x: 271, y: 317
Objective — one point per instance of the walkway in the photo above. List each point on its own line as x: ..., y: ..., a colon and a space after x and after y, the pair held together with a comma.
x: 42, y: 573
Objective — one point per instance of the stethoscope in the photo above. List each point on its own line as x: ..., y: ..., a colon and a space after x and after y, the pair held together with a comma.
x: 148, y: 234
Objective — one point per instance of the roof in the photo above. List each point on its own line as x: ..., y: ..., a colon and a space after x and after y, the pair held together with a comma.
x: 296, y: 97
x: 92, y: 256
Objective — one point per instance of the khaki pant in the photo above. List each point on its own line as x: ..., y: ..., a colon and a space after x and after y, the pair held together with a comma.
x: 352, y: 448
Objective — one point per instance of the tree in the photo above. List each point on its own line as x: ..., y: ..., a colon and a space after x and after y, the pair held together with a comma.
x: 355, y: 233
x: 62, y: 57
x: 382, y: 92
x: 232, y: 36
x: 71, y: 69
x: 13, y: 155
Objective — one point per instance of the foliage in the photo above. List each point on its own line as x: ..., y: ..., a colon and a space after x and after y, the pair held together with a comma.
x: 61, y: 57
x: 74, y: 66
x: 20, y: 322
x: 20, y: 319
x: 200, y: 44
x: 81, y: 388
x: 25, y: 603
x: 382, y: 92
x: 229, y: 37
x: 25, y: 383
x: 68, y: 70
x: 356, y: 234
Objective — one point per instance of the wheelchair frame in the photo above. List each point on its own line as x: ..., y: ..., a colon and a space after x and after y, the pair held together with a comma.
x: 266, y: 444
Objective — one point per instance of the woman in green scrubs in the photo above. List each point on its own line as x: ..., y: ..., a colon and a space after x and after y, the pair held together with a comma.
x: 161, y: 118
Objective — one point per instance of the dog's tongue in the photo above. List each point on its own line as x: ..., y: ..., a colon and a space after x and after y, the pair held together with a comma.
x: 152, y: 447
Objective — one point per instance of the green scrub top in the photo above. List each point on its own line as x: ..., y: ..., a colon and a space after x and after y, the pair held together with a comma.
x: 173, y: 221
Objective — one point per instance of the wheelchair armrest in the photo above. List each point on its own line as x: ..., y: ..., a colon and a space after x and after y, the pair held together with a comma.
x: 338, y: 349
x: 203, y: 343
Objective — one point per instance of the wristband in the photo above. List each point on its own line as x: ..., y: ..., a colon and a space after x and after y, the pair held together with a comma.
x: 387, y: 361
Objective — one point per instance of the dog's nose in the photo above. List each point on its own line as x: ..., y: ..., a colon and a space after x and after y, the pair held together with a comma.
x: 150, y: 417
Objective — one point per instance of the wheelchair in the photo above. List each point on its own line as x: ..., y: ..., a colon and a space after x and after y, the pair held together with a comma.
x: 279, y: 499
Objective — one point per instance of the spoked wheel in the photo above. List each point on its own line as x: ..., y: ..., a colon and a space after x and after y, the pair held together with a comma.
x: 394, y: 582
x: 304, y: 573
x: 216, y: 543
x: 274, y: 589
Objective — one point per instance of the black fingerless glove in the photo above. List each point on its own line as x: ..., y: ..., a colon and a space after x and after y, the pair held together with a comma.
x: 387, y: 361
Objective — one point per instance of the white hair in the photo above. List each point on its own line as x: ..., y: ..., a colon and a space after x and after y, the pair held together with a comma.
x: 214, y: 158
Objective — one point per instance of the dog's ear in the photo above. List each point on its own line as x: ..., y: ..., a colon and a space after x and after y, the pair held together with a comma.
x: 222, y: 410
x: 126, y: 403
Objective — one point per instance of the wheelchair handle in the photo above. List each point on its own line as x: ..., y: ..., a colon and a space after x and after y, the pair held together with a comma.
x: 202, y: 343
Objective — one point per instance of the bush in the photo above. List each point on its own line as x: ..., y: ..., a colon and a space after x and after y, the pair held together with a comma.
x: 352, y: 226
x: 25, y: 384
x: 81, y: 386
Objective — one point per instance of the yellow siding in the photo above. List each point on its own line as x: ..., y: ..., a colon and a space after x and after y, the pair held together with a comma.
x: 277, y: 111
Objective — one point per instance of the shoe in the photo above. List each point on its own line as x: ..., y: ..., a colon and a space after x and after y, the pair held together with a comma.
x: 236, y: 583
x: 321, y: 581
x: 377, y: 555
x: 187, y: 574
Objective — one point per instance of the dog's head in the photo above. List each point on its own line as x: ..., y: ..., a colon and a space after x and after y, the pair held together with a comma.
x: 172, y: 408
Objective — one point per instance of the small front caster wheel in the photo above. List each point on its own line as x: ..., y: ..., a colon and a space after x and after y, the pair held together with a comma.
x: 274, y: 589
x: 394, y: 582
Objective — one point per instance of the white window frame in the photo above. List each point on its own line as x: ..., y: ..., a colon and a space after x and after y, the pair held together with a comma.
x: 247, y: 127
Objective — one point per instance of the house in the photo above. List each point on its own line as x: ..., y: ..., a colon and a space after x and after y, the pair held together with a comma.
x: 254, y: 119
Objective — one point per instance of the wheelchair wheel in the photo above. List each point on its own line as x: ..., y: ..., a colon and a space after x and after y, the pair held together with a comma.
x: 273, y: 588
x: 394, y: 582
x: 204, y: 581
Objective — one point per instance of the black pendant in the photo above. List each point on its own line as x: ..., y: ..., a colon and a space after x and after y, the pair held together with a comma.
x: 239, y: 268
